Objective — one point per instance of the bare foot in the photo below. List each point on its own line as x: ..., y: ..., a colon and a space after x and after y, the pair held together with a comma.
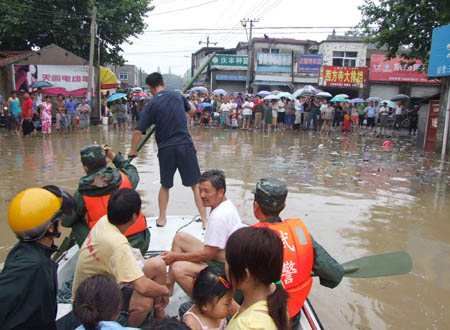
x: 161, y: 222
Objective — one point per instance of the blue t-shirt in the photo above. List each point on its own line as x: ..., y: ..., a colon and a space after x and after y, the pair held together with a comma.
x: 71, y: 106
x: 15, y: 108
x: 371, y: 112
x: 167, y: 110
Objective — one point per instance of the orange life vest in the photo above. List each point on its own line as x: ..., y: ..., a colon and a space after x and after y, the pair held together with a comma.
x: 97, y: 207
x: 298, y: 260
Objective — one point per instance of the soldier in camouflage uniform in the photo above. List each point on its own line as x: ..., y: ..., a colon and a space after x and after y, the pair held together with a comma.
x: 101, y: 180
x: 270, y: 198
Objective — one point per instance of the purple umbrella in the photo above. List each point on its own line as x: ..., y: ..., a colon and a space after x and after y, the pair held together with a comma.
x: 357, y: 100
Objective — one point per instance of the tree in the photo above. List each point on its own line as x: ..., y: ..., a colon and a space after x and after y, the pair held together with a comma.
x: 397, y: 24
x: 28, y: 24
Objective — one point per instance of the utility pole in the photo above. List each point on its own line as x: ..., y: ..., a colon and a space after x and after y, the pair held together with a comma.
x: 91, y: 53
x: 249, y: 50
x: 207, y: 42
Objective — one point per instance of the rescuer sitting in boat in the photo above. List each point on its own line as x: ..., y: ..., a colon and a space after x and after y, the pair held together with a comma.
x: 189, y: 255
x: 302, y: 254
x: 106, y: 251
x: 95, y: 189
x: 28, y: 282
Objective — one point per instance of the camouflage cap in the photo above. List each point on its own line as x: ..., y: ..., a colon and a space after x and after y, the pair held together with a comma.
x: 270, y: 193
x: 90, y: 154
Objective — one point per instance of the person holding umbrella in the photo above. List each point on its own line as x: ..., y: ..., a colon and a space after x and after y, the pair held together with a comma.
x: 167, y: 110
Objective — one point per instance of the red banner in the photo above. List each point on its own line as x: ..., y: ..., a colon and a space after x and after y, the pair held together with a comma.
x: 382, y: 69
x: 337, y: 76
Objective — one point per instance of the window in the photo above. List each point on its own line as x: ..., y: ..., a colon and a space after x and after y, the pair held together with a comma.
x: 123, y: 76
x: 347, y: 59
x: 270, y: 51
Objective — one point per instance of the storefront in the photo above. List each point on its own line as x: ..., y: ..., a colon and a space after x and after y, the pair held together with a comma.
x: 343, y: 80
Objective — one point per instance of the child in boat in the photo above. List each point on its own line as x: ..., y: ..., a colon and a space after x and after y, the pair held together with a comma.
x: 97, y: 304
x: 254, y: 267
x: 212, y: 296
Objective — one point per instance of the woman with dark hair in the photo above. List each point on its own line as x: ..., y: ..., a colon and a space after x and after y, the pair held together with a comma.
x: 265, y: 300
x: 97, y: 304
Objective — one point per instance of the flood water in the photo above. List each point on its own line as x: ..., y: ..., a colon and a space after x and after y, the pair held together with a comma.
x: 356, y: 199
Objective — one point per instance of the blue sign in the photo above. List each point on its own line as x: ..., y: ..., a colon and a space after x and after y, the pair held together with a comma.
x: 274, y: 62
x: 309, y: 63
x: 231, y: 77
x: 440, y: 52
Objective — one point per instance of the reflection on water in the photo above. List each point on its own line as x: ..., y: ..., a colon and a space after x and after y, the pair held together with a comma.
x: 356, y: 199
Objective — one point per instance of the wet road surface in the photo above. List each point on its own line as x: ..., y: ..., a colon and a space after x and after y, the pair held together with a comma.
x: 356, y: 199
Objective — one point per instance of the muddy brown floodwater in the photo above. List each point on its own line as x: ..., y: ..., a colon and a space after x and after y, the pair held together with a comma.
x: 356, y: 199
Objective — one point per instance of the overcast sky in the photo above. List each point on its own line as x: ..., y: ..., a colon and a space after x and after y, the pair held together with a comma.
x: 161, y: 46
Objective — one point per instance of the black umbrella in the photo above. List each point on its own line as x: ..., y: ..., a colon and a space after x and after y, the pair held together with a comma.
x: 400, y: 97
x: 41, y: 84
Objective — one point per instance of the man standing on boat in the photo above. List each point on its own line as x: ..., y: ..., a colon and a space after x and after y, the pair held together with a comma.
x: 302, y: 254
x: 189, y: 255
x: 106, y: 251
x: 167, y: 110
x: 28, y: 282
x: 94, y: 191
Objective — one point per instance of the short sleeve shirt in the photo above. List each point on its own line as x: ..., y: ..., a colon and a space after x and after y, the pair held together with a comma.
x: 106, y: 251
x: 371, y: 112
x: 247, y: 108
x: 71, y: 106
x: 167, y: 110
x: 281, y: 106
x: 222, y: 222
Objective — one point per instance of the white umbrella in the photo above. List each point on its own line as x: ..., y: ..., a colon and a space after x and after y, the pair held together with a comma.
x: 345, y: 96
x: 324, y: 94
x: 271, y: 97
x: 286, y: 95
x: 373, y: 99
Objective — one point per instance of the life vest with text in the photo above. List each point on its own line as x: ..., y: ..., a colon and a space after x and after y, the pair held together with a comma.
x: 97, y: 207
x: 298, y: 260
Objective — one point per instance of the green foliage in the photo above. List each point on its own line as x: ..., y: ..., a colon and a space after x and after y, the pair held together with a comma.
x: 26, y: 24
x: 397, y: 24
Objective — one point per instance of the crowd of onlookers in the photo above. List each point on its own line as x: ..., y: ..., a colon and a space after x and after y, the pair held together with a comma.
x: 36, y: 113
x: 302, y: 113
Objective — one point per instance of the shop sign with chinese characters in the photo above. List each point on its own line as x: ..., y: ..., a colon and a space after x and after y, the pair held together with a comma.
x: 230, y: 61
x: 396, y: 69
x: 60, y: 79
x: 336, y: 76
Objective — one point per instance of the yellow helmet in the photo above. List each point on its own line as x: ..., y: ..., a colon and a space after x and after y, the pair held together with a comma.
x: 34, y: 210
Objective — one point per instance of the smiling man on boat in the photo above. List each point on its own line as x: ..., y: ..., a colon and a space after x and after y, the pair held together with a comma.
x: 28, y: 284
x: 95, y: 189
x: 302, y: 254
x: 189, y: 255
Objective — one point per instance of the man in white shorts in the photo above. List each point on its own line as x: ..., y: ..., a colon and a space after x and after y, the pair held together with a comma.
x: 189, y: 255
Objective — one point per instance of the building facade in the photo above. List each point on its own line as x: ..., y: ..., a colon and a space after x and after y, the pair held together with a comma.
x: 127, y: 74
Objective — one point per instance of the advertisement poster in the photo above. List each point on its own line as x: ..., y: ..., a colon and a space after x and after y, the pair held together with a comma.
x: 382, y: 69
x: 337, y: 76
x: 53, y: 79
x: 309, y: 63
x: 439, y: 65
x: 230, y: 61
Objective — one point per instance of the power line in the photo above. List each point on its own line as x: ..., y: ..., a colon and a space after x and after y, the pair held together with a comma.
x: 181, y: 9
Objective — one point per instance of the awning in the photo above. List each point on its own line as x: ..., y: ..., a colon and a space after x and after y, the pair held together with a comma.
x: 107, y: 78
x: 272, y: 83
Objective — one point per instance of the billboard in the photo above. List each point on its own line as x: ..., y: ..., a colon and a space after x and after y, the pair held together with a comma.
x: 393, y: 70
x: 54, y: 79
x: 439, y: 65
x: 274, y: 62
x: 230, y: 61
x: 309, y: 63
x: 338, y: 76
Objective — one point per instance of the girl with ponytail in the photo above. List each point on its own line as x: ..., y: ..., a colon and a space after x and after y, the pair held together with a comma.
x: 97, y: 304
x: 254, y: 262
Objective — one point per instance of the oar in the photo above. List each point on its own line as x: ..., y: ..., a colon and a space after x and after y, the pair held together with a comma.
x: 183, y: 91
x: 384, y: 264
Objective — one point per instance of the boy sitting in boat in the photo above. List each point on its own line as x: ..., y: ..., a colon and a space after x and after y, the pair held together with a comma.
x: 189, y: 255
x: 302, y: 254
x: 106, y: 251
x: 95, y: 189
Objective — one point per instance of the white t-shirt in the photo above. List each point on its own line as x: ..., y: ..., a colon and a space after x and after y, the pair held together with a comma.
x: 398, y: 110
x: 247, y: 108
x: 384, y: 111
x: 281, y: 106
x: 225, y: 107
x: 222, y: 222
x: 323, y: 108
x: 297, y: 105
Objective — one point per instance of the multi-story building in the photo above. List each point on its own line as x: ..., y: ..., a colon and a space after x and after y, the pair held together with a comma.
x: 127, y: 74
